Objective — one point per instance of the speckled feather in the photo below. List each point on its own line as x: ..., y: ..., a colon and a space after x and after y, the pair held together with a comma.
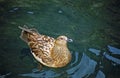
x: 47, y: 50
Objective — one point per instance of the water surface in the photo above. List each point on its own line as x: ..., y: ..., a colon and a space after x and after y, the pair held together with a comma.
x: 93, y: 25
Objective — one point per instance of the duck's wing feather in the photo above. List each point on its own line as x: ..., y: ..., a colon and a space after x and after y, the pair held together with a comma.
x: 26, y: 31
x: 40, y: 45
x: 41, y: 48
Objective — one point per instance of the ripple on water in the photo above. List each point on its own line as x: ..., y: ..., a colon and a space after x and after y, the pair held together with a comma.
x: 84, y: 68
x: 100, y: 74
x: 42, y: 74
x: 113, y: 59
x: 79, y: 67
x: 95, y: 51
x: 113, y: 50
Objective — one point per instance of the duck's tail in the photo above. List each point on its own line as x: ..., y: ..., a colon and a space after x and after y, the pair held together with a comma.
x: 29, y: 30
x: 24, y: 33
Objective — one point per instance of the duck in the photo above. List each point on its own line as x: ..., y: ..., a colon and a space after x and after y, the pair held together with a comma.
x: 48, y: 51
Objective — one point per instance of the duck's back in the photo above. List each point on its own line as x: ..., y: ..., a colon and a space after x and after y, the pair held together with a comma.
x: 40, y: 45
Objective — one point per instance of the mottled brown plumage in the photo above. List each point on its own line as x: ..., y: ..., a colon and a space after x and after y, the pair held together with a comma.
x: 47, y: 50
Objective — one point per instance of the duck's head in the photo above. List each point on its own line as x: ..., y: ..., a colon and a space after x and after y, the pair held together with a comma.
x: 62, y: 40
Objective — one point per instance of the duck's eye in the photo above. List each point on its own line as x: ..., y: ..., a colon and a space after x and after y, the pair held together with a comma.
x: 62, y: 38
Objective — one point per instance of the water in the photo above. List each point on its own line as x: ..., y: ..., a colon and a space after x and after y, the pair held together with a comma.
x: 92, y: 25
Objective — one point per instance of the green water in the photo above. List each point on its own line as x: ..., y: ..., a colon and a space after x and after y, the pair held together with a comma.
x: 90, y: 23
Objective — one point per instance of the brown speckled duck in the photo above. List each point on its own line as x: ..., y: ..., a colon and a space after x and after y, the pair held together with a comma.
x: 47, y: 50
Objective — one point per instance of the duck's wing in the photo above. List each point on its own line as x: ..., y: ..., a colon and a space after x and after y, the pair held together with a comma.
x: 26, y: 32
x: 40, y: 45
x: 41, y: 49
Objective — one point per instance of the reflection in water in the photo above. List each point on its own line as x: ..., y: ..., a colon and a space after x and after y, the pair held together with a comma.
x: 95, y: 51
x: 43, y: 74
x: 5, y: 75
x: 113, y: 50
x: 14, y: 9
x: 100, y: 74
x: 75, y: 55
x: 85, y: 67
x: 30, y: 12
x: 111, y: 58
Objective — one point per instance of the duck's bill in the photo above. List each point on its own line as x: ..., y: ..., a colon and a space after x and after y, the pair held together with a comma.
x: 70, y: 40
